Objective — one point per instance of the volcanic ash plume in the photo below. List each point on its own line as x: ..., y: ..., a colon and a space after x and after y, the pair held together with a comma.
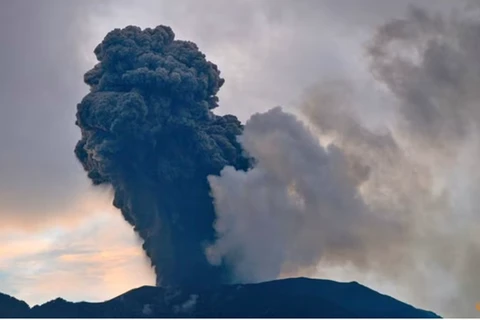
x: 148, y: 131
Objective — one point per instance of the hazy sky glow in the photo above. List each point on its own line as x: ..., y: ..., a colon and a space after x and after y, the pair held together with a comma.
x: 61, y: 237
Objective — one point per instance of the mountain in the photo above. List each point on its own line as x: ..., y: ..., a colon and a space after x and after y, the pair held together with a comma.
x: 288, y: 298
x: 13, y: 308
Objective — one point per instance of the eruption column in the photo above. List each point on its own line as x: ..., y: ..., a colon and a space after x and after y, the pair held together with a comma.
x: 148, y: 130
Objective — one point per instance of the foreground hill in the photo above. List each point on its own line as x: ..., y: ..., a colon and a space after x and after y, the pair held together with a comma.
x: 289, y: 298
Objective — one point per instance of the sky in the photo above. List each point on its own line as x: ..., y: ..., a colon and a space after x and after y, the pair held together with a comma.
x: 62, y: 237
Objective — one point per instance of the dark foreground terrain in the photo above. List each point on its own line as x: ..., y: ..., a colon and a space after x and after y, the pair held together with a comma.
x: 289, y: 298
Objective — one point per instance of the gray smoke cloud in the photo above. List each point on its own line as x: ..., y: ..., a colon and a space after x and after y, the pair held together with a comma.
x: 397, y: 200
x: 300, y: 202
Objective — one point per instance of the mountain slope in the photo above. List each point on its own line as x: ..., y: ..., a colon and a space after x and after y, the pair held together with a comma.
x: 13, y: 308
x: 298, y: 298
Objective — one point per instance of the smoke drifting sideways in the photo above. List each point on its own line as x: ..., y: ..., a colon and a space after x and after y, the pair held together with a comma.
x: 148, y: 130
x: 398, y: 201
x: 298, y: 204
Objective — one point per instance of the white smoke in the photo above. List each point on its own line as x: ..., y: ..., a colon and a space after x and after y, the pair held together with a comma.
x: 299, y: 202
x: 398, y: 201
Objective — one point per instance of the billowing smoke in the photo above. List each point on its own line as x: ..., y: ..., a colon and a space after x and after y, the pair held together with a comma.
x: 299, y: 203
x: 399, y: 200
x: 148, y: 131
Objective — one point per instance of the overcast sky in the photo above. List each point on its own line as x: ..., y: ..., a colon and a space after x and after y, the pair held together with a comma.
x: 60, y: 236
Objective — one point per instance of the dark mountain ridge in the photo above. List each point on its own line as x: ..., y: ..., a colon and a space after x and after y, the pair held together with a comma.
x: 288, y: 298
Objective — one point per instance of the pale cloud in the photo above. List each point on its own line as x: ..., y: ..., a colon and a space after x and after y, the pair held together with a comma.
x: 85, y: 205
x: 41, y: 83
x: 96, y: 260
x: 268, y: 51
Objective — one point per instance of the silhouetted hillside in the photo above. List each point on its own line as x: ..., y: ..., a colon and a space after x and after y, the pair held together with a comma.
x: 13, y: 308
x: 294, y: 298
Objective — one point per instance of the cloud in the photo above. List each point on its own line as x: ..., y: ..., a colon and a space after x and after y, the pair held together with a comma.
x: 410, y: 179
x: 281, y: 48
x: 297, y: 205
x: 84, y: 206
x: 102, y: 258
x: 41, y: 83
x: 48, y: 63
x: 268, y: 51
x: 187, y: 306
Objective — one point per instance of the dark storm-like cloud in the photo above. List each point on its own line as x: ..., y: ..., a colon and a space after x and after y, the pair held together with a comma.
x: 148, y: 130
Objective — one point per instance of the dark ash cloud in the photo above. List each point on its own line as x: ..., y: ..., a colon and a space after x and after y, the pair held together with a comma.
x: 148, y: 130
